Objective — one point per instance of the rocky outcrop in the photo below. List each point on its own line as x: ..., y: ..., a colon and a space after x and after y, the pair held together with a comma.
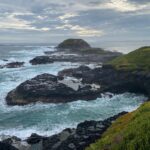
x: 12, y: 65
x: 74, y: 44
x: 41, y: 60
x: 75, y: 50
x: 112, y: 80
x: 75, y: 72
x: 84, y: 84
x: 85, y: 58
x: 86, y: 133
x: 5, y: 146
x: 77, y: 138
x: 51, y: 89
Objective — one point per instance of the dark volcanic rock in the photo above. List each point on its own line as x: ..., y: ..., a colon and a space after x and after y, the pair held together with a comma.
x: 74, y: 72
x: 50, y: 89
x: 12, y: 65
x: 11, y: 140
x: 74, y: 44
x: 86, y: 58
x: 112, y: 80
x: 5, y: 146
x: 91, y: 84
x: 78, y: 138
x: 86, y: 133
x: 34, y: 138
x: 41, y: 60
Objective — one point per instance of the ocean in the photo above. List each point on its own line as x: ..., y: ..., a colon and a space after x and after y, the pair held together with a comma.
x: 48, y: 119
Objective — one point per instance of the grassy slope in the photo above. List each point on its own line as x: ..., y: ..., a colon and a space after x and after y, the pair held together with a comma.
x: 138, y: 59
x: 129, y: 132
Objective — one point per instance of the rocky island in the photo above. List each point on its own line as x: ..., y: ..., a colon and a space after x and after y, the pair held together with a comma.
x: 48, y: 88
x: 75, y: 50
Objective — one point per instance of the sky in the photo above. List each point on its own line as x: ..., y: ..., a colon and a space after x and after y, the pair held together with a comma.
x: 47, y: 21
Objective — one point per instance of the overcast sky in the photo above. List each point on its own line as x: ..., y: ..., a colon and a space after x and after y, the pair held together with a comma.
x: 52, y: 21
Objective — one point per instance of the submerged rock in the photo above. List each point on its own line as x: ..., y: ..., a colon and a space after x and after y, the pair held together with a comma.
x: 12, y: 65
x: 51, y: 89
x: 41, y: 60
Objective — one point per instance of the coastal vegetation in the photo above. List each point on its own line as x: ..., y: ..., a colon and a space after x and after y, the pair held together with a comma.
x: 129, y: 132
x: 136, y: 60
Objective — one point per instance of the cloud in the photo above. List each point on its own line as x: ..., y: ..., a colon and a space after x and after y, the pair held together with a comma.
x: 124, y: 6
x: 68, y: 16
x: 119, y: 5
x: 90, y: 19
x: 82, y: 31
x: 9, y: 21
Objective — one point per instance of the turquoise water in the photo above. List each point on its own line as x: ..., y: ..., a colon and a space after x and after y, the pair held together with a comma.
x: 47, y: 119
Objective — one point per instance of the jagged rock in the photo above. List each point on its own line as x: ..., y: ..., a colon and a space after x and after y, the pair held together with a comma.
x: 12, y: 65
x: 75, y: 72
x: 41, y: 60
x: 77, y: 139
x: 5, y: 146
x: 112, y: 80
x: 11, y: 140
x: 91, y: 84
x: 34, y: 139
x: 69, y: 139
x: 51, y: 89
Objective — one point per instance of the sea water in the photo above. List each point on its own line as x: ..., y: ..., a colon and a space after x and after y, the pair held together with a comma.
x: 48, y: 119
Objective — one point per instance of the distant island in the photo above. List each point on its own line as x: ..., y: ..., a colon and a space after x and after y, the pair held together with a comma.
x: 75, y: 50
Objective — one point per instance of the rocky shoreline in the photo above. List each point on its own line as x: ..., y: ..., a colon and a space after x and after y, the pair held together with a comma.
x: 113, y: 80
x: 78, y: 138
x: 81, y: 83
x: 64, y: 57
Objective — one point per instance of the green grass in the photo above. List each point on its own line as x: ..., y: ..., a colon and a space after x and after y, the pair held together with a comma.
x: 129, y: 132
x: 138, y: 59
